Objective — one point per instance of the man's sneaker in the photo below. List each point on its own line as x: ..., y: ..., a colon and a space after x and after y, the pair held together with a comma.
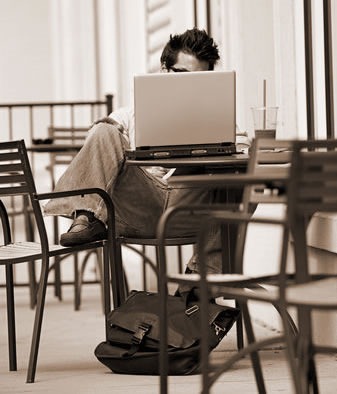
x: 85, y: 228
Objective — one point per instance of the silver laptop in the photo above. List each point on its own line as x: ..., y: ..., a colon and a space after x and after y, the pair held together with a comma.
x: 184, y: 114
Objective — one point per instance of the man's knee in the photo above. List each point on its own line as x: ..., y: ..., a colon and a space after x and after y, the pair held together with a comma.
x: 104, y: 132
x: 104, y: 127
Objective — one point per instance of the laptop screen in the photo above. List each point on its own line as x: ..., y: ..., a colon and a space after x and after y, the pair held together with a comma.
x: 187, y: 108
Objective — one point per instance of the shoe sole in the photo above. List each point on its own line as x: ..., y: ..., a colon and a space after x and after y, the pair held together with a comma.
x: 70, y: 241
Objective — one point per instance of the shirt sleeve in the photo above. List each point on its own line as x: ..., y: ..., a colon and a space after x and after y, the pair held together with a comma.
x: 125, y: 117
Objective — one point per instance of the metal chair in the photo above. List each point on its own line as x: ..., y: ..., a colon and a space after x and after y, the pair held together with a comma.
x: 33, y: 119
x: 132, y: 243
x: 309, y: 187
x: 16, y: 179
x: 263, y: 183
x: 312, y: 188
x: 73, y: 136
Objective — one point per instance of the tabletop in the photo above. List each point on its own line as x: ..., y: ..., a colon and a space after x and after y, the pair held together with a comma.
x: 276, y: 176
x: 51, y: 148
x: 239, y: 159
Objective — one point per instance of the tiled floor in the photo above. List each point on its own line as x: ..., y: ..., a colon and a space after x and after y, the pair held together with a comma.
x: 67, y: 363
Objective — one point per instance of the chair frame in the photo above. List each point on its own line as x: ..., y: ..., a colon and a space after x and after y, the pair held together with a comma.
x: 130, y: 242
x: 68, y: 136
x: 31, y: 112
x: 254, y: 181
x: 310, y: 187
x: 17, y: 179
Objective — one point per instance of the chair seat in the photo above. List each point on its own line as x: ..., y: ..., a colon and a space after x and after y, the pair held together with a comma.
x: 317, y: 294
x: 170, y: 241
x: 213, y: 278
x: 16, y: 179
x: 320, y: 294
x: 19, y: 250
x: 26, y: 250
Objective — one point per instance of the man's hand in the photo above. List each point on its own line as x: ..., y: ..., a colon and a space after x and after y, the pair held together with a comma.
x: 109, y: 120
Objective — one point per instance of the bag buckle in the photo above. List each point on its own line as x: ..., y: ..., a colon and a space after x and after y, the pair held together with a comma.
x: 218, y: 329
x: 191, y: 310
x: 142, y: 330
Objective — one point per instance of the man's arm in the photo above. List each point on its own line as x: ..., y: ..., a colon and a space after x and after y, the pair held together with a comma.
x: 109, y: 120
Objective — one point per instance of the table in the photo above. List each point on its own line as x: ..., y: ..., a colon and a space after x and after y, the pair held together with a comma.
x: 210, y: 164
x: 212, y: 181
x: 207, y: 167
x: 227, y: 174
x: 54, y: 148
x: 272, y: 179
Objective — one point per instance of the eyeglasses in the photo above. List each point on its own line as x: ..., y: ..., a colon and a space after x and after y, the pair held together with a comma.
x: 178, y: 70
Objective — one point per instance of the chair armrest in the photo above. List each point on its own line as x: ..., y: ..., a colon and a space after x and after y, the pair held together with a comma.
x: 216, y: 212
x: 78, y: 192
x: 82, y: 192
x: 278, y: 175
x: 241, y: 217
x: 5, y: 223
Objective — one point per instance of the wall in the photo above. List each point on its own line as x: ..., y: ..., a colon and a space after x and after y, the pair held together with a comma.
x: 25, y: 47
x: 262, y: 40
x: 73, y: 49
x: 325, y: 322
x: 262, y: 253
x: 84, y: 49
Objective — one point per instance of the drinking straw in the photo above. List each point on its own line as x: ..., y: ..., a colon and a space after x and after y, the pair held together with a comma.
x: 264, y: 103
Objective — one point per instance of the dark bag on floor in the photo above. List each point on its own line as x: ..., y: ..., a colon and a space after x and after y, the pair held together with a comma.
x: 133, y: 334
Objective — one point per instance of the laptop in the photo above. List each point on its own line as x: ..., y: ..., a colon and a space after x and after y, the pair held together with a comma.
x: 184, y: 114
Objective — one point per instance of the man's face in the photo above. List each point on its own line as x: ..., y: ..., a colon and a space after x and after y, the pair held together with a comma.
x: 186, y: 62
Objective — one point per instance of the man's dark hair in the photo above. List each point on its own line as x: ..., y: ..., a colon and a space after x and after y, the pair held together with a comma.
x: 193, y: 42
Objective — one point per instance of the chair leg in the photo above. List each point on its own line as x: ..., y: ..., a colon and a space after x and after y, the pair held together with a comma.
x: 290, y: 343
x: 29, y: 228
x: 313, y: 375
x: 57, y: 262
x: 32, y: 283
x: 11, y: 318
x: 118, y: 278
x: 57, y: 276
x: 306, y: 362
x: 180, y: 259
x: 163, y: 332
x: 239, y: 330
x: 41, y: 295
x: 106, y: 280
x: 99, y: 262
x: 255, y: 358
x: 77, y: 301
x: 79, y: 281
x: 144, y: 268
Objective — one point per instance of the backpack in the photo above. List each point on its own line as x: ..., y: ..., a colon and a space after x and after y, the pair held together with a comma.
x: 132, y: 345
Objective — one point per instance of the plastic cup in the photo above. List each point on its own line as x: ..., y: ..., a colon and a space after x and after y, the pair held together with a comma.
x: 265, y: 120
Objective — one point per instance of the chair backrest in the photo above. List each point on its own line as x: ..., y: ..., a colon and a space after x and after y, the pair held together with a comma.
x: 64, y: 136
x: 14, y: 165
x: 32, y: 119
x: 16, y: 179
x: 67, y: 135
x: 7, y: 236
x: 268, y: 156
x: 313, y: 182
x: 312, y: 188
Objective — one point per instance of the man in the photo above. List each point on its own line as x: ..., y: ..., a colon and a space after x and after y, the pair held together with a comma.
x: 140, y: 197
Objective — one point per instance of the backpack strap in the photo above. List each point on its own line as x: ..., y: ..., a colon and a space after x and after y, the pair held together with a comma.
x: 137, y: 339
